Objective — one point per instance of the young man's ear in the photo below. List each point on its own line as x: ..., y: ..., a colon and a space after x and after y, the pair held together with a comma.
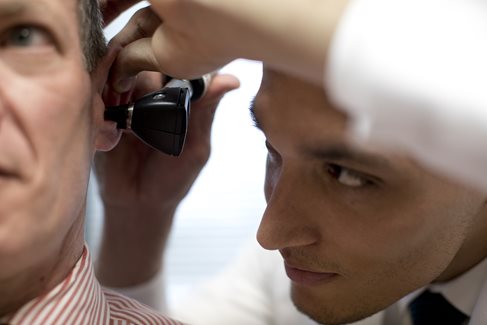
x: 107, y: 135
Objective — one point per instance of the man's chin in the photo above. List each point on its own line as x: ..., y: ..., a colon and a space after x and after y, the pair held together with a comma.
x: 327, y: 313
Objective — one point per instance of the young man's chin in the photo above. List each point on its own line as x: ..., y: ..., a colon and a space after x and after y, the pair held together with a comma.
x: 327, y: 314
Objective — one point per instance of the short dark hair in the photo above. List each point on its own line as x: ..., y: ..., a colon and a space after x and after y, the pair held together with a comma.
x: 93, y: 42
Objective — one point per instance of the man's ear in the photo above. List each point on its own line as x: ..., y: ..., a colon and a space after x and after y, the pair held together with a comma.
x: 107, y: 135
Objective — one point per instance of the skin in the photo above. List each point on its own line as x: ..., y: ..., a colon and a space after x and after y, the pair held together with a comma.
x: 380, y: 223
x: 49, y: 133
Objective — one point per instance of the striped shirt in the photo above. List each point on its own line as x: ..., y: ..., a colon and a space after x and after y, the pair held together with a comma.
x: 80, y: 299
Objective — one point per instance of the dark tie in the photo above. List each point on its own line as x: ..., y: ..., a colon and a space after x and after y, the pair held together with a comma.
x: 432, y: 309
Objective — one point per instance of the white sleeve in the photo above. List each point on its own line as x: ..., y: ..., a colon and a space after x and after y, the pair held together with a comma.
x: 413, y: 74
x: 253, y: 290
x: 238, y: 296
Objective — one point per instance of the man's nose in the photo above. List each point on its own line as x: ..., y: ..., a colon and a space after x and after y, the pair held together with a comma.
x: 287, y: 220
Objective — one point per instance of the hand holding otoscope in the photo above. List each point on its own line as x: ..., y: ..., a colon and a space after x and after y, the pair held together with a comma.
x: 160, y: 119
x: 141, y: 188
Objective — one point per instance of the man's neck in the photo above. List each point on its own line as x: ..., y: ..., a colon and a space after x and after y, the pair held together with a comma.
x: 40, y: 279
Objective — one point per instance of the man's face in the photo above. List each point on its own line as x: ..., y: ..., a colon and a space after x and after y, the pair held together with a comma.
x: 357, y: 230
x: 47, y: 134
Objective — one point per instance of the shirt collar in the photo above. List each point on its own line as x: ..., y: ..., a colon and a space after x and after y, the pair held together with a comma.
x: 462, y: 292
x: 78, y: 294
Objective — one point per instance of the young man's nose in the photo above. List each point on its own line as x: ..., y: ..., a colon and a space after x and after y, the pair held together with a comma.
x: 286, y: 221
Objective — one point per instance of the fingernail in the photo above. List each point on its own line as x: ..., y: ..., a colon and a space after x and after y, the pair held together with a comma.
x: 124, y: 85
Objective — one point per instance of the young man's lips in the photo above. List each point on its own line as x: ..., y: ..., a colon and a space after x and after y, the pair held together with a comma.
x: 304, y: 277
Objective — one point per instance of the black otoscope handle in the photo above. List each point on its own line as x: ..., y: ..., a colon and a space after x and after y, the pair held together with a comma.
x: 160, y: 119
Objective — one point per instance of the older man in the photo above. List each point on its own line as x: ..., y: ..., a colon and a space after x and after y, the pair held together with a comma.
x: 51, y: 125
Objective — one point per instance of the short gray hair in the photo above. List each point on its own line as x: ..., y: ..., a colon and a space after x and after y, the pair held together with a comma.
x: 93, y: 42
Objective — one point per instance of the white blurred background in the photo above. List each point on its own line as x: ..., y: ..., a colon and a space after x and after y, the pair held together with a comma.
x: 224, y: 207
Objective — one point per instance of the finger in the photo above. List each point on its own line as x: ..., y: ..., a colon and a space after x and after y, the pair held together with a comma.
x: 174, y: 53
x: 101, y: 73
x: 147, y: 82
x: 134, y: 58
x: 141, y: 25
x: 219, y: 86
x: 111, y: 9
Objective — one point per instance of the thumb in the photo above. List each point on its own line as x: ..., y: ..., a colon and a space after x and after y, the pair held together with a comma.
x: 219, y: 86
x: 203, y: 110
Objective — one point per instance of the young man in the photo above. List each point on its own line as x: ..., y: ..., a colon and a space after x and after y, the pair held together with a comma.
x: 51, y: 125
x: 360, y: 232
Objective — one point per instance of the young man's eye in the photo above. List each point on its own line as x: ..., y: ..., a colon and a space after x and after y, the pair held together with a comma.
x: 347, y: 177
x: 25, y: 36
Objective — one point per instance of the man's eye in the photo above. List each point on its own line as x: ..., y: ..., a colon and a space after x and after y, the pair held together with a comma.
x: 346, y: 176
x: 26, y: 36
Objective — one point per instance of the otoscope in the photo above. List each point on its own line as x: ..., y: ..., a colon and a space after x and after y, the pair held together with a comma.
x: 160, y: 119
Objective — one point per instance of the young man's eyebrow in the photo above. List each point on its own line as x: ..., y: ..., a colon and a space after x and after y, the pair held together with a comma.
x: 334, y: 151
x: 341, y: 152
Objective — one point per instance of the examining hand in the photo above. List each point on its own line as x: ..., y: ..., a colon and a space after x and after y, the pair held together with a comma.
x: 186, y: 53
x: 141, y: 189
x: 133, y: 174
x: 189, y: 38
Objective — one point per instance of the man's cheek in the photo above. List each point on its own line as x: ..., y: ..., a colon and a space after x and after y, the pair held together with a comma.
x: 64, y: 107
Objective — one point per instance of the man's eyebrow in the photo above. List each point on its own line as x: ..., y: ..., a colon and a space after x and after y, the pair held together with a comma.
x: 341, y: 152
x: 18, y: 7
x: 334, y: 151
x: 11, y: 8
x: 253, y: 116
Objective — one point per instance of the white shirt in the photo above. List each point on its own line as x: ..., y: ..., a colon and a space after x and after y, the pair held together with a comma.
x: 462, y: 292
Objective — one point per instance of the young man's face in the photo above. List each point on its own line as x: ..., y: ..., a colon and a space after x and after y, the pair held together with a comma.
x: 357, y: 230
x: 48, y: 130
